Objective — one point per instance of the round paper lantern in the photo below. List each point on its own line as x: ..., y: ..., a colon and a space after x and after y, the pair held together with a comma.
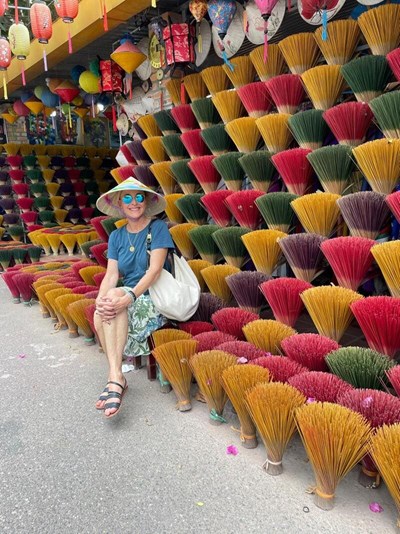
x: 5, y: 60
x: 41, y: 23
x: 49, y: 99
x: 76, y: 72
x: 67, y: 10
x: 34, y: 105
x: 20, y: 109
x: 77, y: 101
x: 3, y: 7
x: 89, y: 82
x: 198, y: 8
x: 53, y: 83
x: 18, y: 35
x: 67, y: 91
x: 38, y: 91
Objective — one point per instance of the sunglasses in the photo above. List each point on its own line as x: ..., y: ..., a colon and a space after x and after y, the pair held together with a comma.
x: 139, y: 197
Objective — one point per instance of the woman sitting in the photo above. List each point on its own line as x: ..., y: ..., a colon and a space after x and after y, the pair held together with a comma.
x: 125, y: 316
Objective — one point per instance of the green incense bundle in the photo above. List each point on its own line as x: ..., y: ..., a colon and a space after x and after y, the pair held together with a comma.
x: 205, y: 112
x: 192, y: 209
x: 41, y: 203
x: 109, y: 224
x: 360, y: 367
x: 85, y: 247
x: 201, y: 238
x: 174, y: 147
x: 6, y: 255
x: 38, y: 189
x: 46, y: 216
x: 29, y: 162
x: 87, y: 175
x: 92, y: 188
x: 19, y: 253
x: 34, y: 253
x: 229, y: 242
x: 276, y: 210
x: 309, y: 128
x: 165, y: 122
x: 259, y: 169
x: 367, y: 76
x: 230, y: 169
x: 184, y: 176
x: 34, y: 176
x: 386, y: 109
x: 217, y: 139
x: 334, y: 167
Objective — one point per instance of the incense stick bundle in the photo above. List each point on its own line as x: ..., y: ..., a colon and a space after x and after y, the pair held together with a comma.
x: 215, y: 79
x: 365, y: 213
x: 272, y: 408
x: 379, y: 161
x: 237, y: 380
x: 394, y: 61
x: 318, y: 212
x: 155, y: 149
x: 244, y: 133
x: 387, y: 256
x: 300, y: 52
x: 309, y: 350
x: 77, y: 312
x: 173, y: 359
x: 329, y: 309
x: 51, y: 297
x: 283, y: 296
x: 208, y: 367
x: 184, y: 176
x: 287, y: 92
x: 205, y: 172
x: 148, y: 124
x: 274, y: 65
x: 215, y: 279
x: 230, y: 170
x: 242, y: 206
x: 228, y: 105
x: 294, y: 169
x: 244, y: 288
x: 349, y: 122
x: 394, y: 376
x: 172, y: 212
x: 163, y: 174
x: 280, y: 368
x: 256, y: 99
x: 232, y: 320
x: 333, y: 166
x: 230, y: 244
x: 184, y: 117
x: 275, y: 131
x: 267, y: 334
x: 324, y: 85
x: 303, y: 253
x: 191, y: 208
x: 386, y: 109
x: 201, y: 238
x: 335, y: 439
x: 309, y: 128
x: 166, y: 335
x: 207, y: 306
x: 197, y: 266
x: 180, y: 235
x: 173, y: 87
x: 276, y: 210
x: 205, y: 112
x: 165, y: 122
x: 367, y: 76
x: 215, y: 205
x: 243, y: 350
x: 195, y: 86
x: 194, y: 143
x: 243, y: 71
x: 174, y: 147
x: 344, y: 36
x: 381, y: 28
x: 259, y: 169
x: 61, y: 304
x: 263, y: 248
x: 393, y: 201
x: 217, y: 139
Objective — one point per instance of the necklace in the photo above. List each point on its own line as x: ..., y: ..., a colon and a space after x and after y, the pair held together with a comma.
x: 132, y: 245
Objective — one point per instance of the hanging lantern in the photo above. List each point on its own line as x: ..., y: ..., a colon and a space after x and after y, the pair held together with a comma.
x: 67, y: 91
x: 81, y: 112
x: 20, y: 42
x: 221, y: 13
x: 198, y: 8
x: 89, y: 82
x: 68, y: 11
x: 310, y: 7
x: 49, y: 99
x: 34, y: 105
x: 8, y: 117
x: 53, y: 83
x: 20, y: 109
x: 77, y: 101
x: 266, y: 7
x: 76, y: 72
x: 3, y: 7
x: 129, y: 57
x: 41, y: 25
x: 48, y: 111
x: 5, y: 60
x: 111, y: 76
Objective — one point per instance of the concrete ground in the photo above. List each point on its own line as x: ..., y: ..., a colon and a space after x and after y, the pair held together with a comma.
x: 150, y: 470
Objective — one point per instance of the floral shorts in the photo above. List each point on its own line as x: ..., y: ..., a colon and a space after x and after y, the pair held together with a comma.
x: 143, y: 319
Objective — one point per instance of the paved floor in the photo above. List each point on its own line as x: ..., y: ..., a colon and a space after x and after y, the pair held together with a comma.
x: 151, y: 470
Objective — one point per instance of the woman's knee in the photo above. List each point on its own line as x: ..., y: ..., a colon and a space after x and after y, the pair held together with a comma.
x: 115, y: 292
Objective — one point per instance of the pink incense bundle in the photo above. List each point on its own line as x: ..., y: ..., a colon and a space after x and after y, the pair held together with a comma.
x: 209, y: 340
x: 287, y: 92
x: 393, y: 375
x: 349, y: 122
x: 96, y: 223
x: 255, y: 98
x: 232, y: 320
x: 29, y: 218
x: 394, y: 62
x: 196, y: 327
x: 214, y: 203
x: 98, y: 278
x: 194, y: 144
x: 350, y: 258
x: 83, y: 289
x: 309, y: 350
x: 8, y: 277
x: 281, y: 368
x: 294, y: 169
x: 243, y: 350
x: 24, y: 282
x: 25, y: 204
x: 283, y: 295
x: 379, y: 319
x: 320, y: 386
x: 99, y: 252
x: 242, y: 206
x: 393, y: 201
x: 184, y: 117
x: 21, y: 190
x: 205, y: 172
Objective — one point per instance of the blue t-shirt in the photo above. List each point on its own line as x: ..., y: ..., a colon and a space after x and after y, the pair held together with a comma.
x: 133, y: 265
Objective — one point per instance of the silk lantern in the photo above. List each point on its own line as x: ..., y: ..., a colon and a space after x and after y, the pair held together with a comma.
x: 129, y: 57
x: 18, y: 36
x: 67, y: 92
x: 53, y: 83
x: 310, y: 7
x: 20, y: 109
x: 34, y: 105
x: 49, y: 99
x: 221, y: 13
x: 5, y: 60
x: 41, y: 25
x: 68, y: 11
x: 3, y: 7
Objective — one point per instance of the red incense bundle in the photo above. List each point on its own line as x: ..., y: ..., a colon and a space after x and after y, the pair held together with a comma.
x: 184, y: 117
x: 194, y: 143
x: 196, y: 327
x: 242, y: 206
x: 255, y: 98
x: 243, y: 350
x: 281, y: 368
x: 205, y: 173
x: 394, y: 62
x: 349, y: 122
x: 283, y: 295
x: 209, y: 340
x: 309, y: 350
x: 320, y: 386
x: 394, y: 377
x: 295, y: 169
x: 287, y: 92
x: 393, y: 201
x: 232, y: 320
x: 214, y: 203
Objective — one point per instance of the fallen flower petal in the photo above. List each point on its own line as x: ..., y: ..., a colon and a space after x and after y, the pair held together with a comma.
x: 21, y: 356
x: 375, y: 507
x: 231, y: 449
x: 242, y: 360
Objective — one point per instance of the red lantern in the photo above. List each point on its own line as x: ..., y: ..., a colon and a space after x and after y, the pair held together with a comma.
x: 5, y: 60
x: 3, y: 7
x: 68, y: 11
x: 20, y: 109
x: 41, y: 23
x: 67, y: 91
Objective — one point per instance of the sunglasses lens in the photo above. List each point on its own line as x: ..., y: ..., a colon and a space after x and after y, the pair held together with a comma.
x: 127, y: 199
x: 139, y: 198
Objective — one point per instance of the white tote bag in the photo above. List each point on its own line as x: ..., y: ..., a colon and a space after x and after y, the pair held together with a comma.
x: 176, y: 297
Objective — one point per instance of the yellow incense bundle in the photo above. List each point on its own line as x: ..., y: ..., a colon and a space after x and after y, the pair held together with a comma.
x: 164, y: 176
x: 215, y: 276
x: 244, y: 133
x: 149, y: 125
x: 343, y: 39
x: 317, y: 212
x: 243, y: 71
x: 267, y: 334
x: 275, y: 132
x: 324, y: 85
x: 215, y: 79
x: 195, y: 86
x: 228, y: 105
x: 180, y: 235
x: 300, y: 51
x: 387, y: 256
x: 381, y: 28
x: 274, y: 66
x: 262, y: 245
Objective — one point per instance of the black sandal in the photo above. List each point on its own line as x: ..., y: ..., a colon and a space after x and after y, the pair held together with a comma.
x: 103, y: 396
x: 115, y: 395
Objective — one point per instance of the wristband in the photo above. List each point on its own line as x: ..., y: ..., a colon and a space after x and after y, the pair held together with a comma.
x: 132, y: 294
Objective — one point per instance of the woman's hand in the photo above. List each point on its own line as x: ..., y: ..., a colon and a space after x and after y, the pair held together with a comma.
x: 108, y: 308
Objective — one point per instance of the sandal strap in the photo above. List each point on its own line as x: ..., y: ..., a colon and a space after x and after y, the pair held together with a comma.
x: 112, y: 405
x: 117, y: 384
x: 104, y: 394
